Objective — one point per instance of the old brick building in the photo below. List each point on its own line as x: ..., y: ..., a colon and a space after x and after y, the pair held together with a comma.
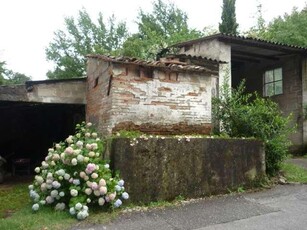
x: 165, y: 97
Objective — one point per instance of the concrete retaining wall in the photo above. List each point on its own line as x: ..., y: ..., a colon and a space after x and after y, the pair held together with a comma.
x: 161, y: 169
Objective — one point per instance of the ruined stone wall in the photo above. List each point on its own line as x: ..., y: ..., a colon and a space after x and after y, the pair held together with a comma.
x: 131, y: 97
x: 162, y: 169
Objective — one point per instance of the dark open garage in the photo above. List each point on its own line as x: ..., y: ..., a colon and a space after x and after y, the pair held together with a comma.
x: 29, y: 129
x: 36, y: 115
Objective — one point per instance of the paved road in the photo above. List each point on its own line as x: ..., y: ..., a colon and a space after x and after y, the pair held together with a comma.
x: 283, y: 207
x: 298, y: 161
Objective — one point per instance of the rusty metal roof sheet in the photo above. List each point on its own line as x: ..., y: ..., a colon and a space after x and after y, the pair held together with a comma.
x: 248, y: 41
x: 169, y: 65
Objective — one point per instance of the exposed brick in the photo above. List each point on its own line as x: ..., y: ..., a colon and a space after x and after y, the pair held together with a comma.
x: 165, y: 89
x: 140, y: 100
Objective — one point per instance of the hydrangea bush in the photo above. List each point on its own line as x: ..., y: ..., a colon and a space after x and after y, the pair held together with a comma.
x: 74, y: 176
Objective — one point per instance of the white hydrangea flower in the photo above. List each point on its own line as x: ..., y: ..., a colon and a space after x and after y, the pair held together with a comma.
x: 80, y: 158
x: 118, y: 188
x: 86, y: 159
x: 97, y: 193
x: 66, y: 176
x: 56, y: 184
x: 121, y: 183
x: 76, y: 181
x: 62, y: 194
x: 103, y: 190
x: 74, y: 192
x: 88, y: 191
x: 72, y: 211
x: 125, y: 195
x: 35, y: 207
x: 49, y: 200
x: 54, y: 193
x: 94, y: 146
x: 94, y: 175
x: 57, y: 146
x: 39, y: 179
x: 101, y: 201
x: 51, y: 150
x: 37, y: 169
x: 79, y: 144
x: 118, y: 203
x: 42, y: 202
x: 78, y: 206
x: 74, y: 161
x: 102, y: 182
x: 60, y: 172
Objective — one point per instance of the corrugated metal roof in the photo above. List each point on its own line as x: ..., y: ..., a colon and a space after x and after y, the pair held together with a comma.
x: 197, y: 57
x: 247, y: 41
x: 170, y: 65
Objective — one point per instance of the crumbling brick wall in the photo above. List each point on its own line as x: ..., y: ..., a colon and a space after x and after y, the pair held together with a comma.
x: 152, y: 100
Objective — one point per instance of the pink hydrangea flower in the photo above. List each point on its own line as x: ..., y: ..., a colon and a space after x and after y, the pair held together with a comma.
x: 90, y: 168
x: 94, y: 186
x: 69, y: 150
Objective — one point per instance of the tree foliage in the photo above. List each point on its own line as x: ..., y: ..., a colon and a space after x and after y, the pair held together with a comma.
x: 289, y: 29
x: 164, y: 26
x: 2, y: 72
x: 81, y: 37
x: 9, y: 77
x: 229, y: 23
x: 260, y: 28
x: 248, y: 115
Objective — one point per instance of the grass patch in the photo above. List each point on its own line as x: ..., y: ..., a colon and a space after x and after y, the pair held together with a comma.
x: 45, y: 219
x: 294, y: 173
x: 13, y: 198
x: 16, y: 213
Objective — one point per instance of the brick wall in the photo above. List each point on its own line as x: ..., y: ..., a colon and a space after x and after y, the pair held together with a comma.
x: 148, y: 99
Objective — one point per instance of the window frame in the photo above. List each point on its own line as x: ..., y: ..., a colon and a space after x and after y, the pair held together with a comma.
x: 274, y: 82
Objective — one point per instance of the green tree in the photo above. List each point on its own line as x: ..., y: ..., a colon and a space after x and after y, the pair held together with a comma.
x: 2, y: 72
x: 81, y: 37
x: 14, y: 78
x: 229, y: 23
x: 9, y: 77
x: 259, y: 30
x: 289, y: 29
x: 164, y: 26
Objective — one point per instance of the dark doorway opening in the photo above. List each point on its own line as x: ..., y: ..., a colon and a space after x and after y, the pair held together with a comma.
x: 29, y: 129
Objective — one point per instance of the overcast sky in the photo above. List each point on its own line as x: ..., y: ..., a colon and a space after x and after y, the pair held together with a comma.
x: 27, y: 26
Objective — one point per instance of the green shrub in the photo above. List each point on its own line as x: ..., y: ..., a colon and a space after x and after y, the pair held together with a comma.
x: 240, y: 114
